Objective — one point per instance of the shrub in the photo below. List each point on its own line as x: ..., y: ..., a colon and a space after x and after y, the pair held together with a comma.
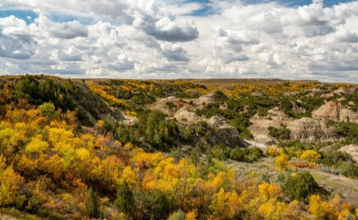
x: 157, y: 205
x: 334, y: 159
x: 109, y: 123
x: 220, y: 96
x: 279, y: 133
x: 300, y: 186
x: 350, y: 170
x: 195, y: 155
x: 47, y: 109
x: 178, y: 215
x: 247, y: 155
x: 310, y: 155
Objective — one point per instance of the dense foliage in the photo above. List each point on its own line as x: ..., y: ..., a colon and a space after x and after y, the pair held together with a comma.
x: 155, y: 167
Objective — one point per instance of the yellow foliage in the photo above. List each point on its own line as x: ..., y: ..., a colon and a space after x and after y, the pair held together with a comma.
x: 130, y: 176
x: 190, y: 215
x: 343, y: 215
x: 299, y: 153
x: 282, y: 160
x: 36, y: 145
x: 236, y: 90
x: 9, y: 183
x: 318, y: 208
x: 269, y: 191
x: 83, y: 154
x: 128, y: 145
x: 310, y: 155
x: 142, y: 159
x: 101, y: 90
x: 335, y: 208
x: 272, y: 209
x: 225, y: 204
x: 271, y: 151
x: 54, y: 151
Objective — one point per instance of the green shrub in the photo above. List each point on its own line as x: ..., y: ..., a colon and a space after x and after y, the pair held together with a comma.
x: 220, y: 96
x: 47, y: 109
x: 334, y: 159
x: 347, y: 130
x: 157, y: 205
x: 350, y: 170
x: 178, y: 215
x: 247, y: 155
x: 125, y: 200
x: 109, y: 123
x: 195, y: 155
x: 300, y: 186
x: 92, y: 204
x: 279, y: 133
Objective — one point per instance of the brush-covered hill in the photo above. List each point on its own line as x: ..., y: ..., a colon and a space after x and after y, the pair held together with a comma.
x: 177, y: 149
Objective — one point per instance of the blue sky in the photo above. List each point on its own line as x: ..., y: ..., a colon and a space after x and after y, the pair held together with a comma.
x: 25, y: 15
x: 181, y: 39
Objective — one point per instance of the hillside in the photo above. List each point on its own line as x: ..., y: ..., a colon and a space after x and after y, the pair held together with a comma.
x: 177, y: 149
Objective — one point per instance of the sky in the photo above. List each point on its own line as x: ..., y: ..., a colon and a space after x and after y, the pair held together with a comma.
x: 166, y: 39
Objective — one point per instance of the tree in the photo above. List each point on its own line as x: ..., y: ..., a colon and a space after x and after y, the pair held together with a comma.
x: 92, y: 204
x: 125, y: 200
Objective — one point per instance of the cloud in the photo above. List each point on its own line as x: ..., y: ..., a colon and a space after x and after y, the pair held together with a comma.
x: 149, y: 39
x: 228, y: 44
x: 17, y: 48
x: 15, y: 41
x: 169, y: 29
x: 173, y: 51
x: 343, y: 35
x: 66, y: 30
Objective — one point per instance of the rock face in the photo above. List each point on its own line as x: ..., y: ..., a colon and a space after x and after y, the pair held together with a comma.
x: 227, y: 135
x: 184, y: 115
x: 351, y: 150
x: 310, y: 129
x: 297, y: 109
x: 339, y: 92
x: 216, y: 121
x: 334, y: 111
x: 262, y: 147
x: 207, y: 97
x: 260, y: 124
